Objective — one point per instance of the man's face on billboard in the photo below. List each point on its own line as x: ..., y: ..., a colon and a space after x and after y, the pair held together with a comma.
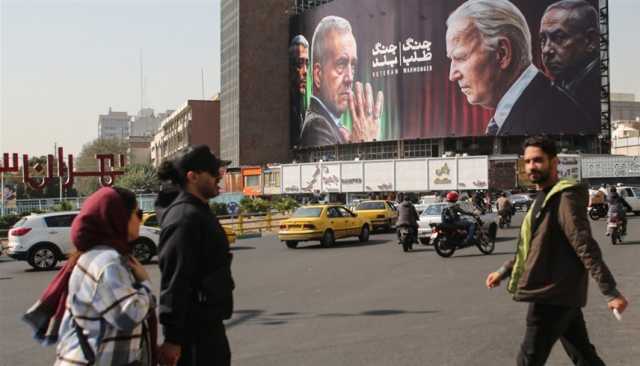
x: 473, y: 67
x: 561, y: 47
x: 300, y: 60
x: 334, y: 78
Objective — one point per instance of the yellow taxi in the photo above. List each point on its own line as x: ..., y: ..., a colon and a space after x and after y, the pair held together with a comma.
x: 326, y: 223
x: 382, y: 214
x: 150, y: 219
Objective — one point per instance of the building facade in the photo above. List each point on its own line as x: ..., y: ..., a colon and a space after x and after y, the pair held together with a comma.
x: 196, y: 122
x: 113, y: 125
x: 254, y: 102
x: 625, y: 139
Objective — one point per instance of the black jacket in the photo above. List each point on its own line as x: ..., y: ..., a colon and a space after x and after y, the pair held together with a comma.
x: 543, y: 108
x: 318, y: 128
x: 407, y: 215
x: 196, y: 287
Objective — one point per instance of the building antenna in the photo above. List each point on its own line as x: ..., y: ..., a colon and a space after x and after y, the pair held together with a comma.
x: 141, y: 82
x: 202, y: 79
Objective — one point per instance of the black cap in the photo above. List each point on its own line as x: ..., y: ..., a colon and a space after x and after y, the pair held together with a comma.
x: 199, y: 158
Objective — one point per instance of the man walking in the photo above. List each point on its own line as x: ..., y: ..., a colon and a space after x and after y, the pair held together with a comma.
x: 196, y: 290
x: 555, y: 252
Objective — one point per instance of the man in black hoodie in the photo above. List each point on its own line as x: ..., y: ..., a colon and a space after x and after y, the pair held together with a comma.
x: 196, y: 288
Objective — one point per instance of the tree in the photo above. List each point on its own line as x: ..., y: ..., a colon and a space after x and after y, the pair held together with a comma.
x: 87, y: 161
x: 139, y: 177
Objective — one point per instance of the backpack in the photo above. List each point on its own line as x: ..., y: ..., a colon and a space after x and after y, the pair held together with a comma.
x: 448, y: 216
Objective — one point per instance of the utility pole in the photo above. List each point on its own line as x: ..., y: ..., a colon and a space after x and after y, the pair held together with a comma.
x: 55, y: 154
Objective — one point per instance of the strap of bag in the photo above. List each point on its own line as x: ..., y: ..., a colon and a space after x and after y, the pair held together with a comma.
x: 87, y: 351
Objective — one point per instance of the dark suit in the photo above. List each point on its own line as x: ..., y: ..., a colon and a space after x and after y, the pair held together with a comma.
x: 318, y: 128
x: 546, y: 109
x: 584, y: 87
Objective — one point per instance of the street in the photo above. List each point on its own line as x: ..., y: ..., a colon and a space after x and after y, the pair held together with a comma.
x: 368, y: 304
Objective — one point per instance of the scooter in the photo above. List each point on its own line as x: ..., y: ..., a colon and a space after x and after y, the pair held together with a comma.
x: 504, y: 218
x: 406, y: 237
x: 615, y: 229
x: 447, y: 238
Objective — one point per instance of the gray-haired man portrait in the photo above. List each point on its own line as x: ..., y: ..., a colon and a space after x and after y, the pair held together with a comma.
x: 489, y: 44
x: 335, y: 58
x: 298, y: 68
x: 570, y: 45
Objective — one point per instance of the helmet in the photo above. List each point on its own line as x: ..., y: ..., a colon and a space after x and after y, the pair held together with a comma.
x: 452, y: 196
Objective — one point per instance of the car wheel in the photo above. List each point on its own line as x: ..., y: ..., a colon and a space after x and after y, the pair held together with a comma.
x: 43, y: 256
x: 364, y: 234
x: 144, y: 250
x: 292, y: 244
x: 328, y: 239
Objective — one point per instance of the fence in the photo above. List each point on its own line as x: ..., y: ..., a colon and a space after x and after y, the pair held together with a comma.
x: 244, y: 224
x: 145, y: 201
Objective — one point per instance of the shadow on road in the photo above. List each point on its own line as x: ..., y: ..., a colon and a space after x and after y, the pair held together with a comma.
x: 500, y: 239
x: 482, y: 255
x: 629, y: 243
x: 241, y: 247
x: 346, y: 244
x: 259, y: 317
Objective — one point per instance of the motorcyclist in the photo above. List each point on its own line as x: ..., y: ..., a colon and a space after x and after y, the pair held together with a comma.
x: 478, y: 201
x: 618, y: 206
x: 407, y: 215
x: 452, y: 215
x: 504, y: 206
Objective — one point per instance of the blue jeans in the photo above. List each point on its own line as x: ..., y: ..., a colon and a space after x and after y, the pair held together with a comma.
x: 471, y: 229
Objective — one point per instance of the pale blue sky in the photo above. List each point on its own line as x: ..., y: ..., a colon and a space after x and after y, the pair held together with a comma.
x: 64, y: 62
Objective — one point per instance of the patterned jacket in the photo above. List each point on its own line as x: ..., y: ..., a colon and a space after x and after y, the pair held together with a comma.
x: 109, y: 306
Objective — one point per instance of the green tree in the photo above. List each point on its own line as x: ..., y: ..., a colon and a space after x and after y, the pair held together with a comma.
x: 87, y: 161
x: 139, y: 178
x: 285, y: 204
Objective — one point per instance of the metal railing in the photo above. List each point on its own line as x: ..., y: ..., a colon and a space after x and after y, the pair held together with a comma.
x: 145, y: 201
x: 248, y: 223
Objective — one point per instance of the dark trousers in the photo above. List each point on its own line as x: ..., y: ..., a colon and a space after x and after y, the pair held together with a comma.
x: 548, y: 323
x: 210, y: 348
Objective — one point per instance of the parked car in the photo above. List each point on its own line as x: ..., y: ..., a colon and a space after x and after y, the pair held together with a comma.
x: 521, y: 201
x: 325, y: 223
x: 432, y: 214
x: 426, y: 201
x: 45, y: 239
x: 632, y: 196
x: 382, y: 214
x: 150, y: 219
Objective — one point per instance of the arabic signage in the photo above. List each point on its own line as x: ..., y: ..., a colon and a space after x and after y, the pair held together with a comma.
x: 411, y: 175
x: 378, y: 70
x: 611, y: 166
x: 106, y: 172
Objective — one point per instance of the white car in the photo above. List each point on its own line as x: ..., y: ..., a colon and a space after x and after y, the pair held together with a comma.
x: 44, y: 239
x: 432, y: 214
x: 632, y: 196
x: 424, y: 202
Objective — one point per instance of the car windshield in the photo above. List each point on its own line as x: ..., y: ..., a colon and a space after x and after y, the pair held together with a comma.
x: 636, y: 191
x: 20, y: 222
x: 371, y: 206
x: 307, y: 212
x: 433, y: 210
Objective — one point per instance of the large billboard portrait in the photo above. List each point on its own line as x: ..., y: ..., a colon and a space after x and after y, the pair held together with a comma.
x: 365, y: 70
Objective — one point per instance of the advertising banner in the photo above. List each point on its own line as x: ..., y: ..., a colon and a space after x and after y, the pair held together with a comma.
x: 291, y: 179
x: 411, y: 175
x: 352, y: 177
x: 378, y: 176
x: 365, y: 70
x: 443, y: 174
x: 310, y: 178
x: 611, y: 166
x: 473, y: 173
x: 331, y: 178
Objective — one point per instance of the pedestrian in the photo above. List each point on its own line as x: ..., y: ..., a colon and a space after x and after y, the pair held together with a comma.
x: 102, y: 319
x: 555, y: 252
x: 196, y: 287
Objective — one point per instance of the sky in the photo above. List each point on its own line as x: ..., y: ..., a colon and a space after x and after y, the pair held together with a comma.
x: 65, y: 62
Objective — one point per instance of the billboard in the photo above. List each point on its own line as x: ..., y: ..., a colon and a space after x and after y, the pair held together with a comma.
x: 611, y: 166
x: 411, y: 175
x: 365, y: 70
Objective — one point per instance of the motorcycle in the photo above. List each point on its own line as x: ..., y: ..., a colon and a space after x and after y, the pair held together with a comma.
x: 504, y: 217
x: 447, y: 238
x: 615, y: 229
x: 597, y: 211
x: 406, y: 237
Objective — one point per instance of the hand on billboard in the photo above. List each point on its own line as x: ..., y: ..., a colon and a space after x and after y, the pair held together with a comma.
x: 365, y: 115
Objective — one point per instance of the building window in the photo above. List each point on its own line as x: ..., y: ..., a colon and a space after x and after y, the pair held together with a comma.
x: 252, y: 181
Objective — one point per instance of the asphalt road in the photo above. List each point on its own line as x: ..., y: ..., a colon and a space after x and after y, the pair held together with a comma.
x: 368, y: 304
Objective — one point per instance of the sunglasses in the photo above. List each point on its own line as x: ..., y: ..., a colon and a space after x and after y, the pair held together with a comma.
x: 139, y: 213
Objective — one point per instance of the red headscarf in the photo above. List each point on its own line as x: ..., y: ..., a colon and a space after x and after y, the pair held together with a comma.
x: 103, y: 220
